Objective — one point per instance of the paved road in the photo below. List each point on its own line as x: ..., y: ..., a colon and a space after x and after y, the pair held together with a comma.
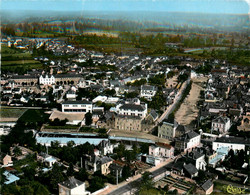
x: 132, y: 186
x: 67, y: 87
x: 177, y: 99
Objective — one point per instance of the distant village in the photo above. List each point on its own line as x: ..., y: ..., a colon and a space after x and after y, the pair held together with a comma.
x: 112, y: 118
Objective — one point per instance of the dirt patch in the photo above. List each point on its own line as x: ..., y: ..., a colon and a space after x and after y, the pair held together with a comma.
x: 8, y: 119
x: 188, y: 110
x: 70, y: 116
x: 172, y: 82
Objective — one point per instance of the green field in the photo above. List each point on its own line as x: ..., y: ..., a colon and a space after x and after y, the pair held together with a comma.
x: 16, y: 58
x: 34, y: 116
x: 11, y: 112
x: 19, y: 62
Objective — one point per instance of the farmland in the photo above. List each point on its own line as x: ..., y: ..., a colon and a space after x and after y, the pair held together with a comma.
x: 13, y: 59
x: 11, y: 114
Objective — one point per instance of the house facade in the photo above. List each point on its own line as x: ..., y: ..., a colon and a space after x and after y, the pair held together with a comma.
x: 128, y: 123
x: 46, y: 80
x: 188, y: 141
x: 72, y: 187
x: 148, y: 92
x: 161, y: 150
x: 230, y: 142
x: 221, y: 124
x: 132, y: 110
x: 166, y: 130
x: 77, y: 106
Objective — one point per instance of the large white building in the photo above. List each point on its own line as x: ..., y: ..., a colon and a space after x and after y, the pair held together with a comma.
x: 132, y: 110
x: 188, y: 141
x: 221, y: 124
x: 47, y: 80
x: 161, y: 150
x: 77, y: 106
x: 148, y: 92
x: 72, y: 187
x: 230, y: 142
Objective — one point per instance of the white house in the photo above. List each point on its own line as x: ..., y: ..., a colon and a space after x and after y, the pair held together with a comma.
x: 47, y: 80
x: 100, y: 98
x: 132, y: 110
x: 82, y: 83
x: 188, y: 141
x: 148, y: 92
x: 72, y: 187
x: 112, y: 100
x: 198, y: 158
x: 77, y: 106
x: 71, y: 94
x: 161, y: 150
x: 230, y: 142
x: 106, y: 147
x: 221, y: 124
x: 49, y: 160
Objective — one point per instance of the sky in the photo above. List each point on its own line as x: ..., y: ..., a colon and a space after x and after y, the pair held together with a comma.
x: 203, y: 6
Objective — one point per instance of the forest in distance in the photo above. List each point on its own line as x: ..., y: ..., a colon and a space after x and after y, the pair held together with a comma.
x: 131, y: 21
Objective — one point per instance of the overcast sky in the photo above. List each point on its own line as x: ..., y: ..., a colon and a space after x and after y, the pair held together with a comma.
x: 204, y: 6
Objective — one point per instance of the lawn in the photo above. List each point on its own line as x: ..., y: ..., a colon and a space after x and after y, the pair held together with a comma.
x: 32, y: 115
x: 20, y: 62
x: 11, y: 112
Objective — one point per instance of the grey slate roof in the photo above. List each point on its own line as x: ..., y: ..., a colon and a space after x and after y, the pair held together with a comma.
x: 77, y: 102
x: 148, y: 88
x: 190, y: 168
x: 71, y: 183
x: 68, y: 76
x: 181, y: 128
x: 105, y: 159
x: 132, y: 107
x: 154, y: 114
x: 24, y: 77
x: 221, y: 119
x: 191, y: 134
x: 207, y: 185
x: 235, y: 140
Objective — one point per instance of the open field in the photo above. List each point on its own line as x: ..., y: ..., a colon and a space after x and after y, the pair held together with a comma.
x: 70, y: 116
x: 101, y: 33
x: 15, y: 58
x: 11, y: 114
x: 19, y: 62
x: 34, y: 116
x: 188, y: 110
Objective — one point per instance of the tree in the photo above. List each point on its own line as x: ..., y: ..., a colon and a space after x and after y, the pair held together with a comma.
x: 109, y: 92
x: 56, y: 176
x: 82, y: 175
x: 70, y: 170
x: 70, y: 144
x: 17, y: 151
x: 126, y: 172
x: 27, y: 189
x: 39, y: 189
x: 88, y: 119
x: 147, y: 181
x: 96, y: 183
